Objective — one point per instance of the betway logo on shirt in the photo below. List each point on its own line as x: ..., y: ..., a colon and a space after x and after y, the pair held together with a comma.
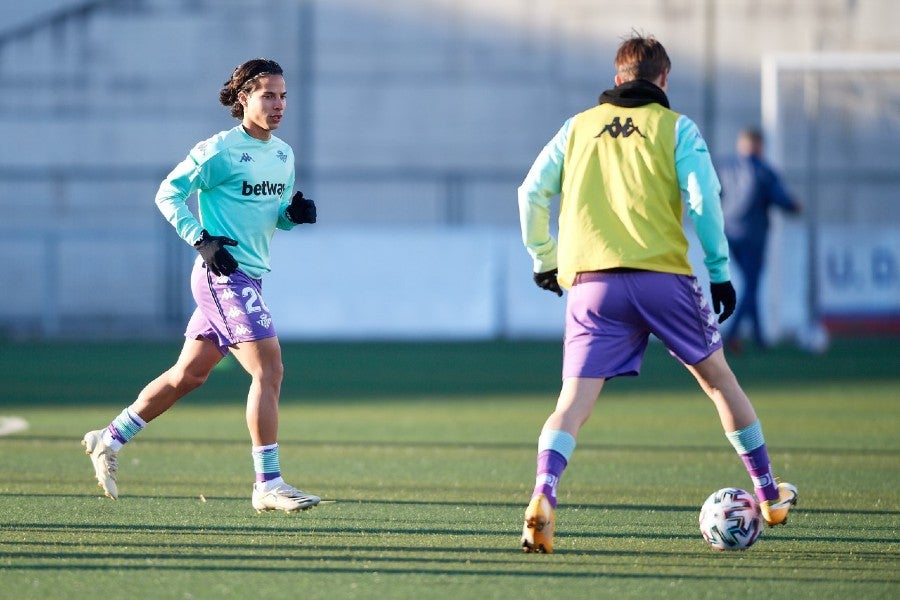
x: 263, y: 188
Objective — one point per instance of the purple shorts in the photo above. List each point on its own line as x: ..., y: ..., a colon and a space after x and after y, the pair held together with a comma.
x: 230, y: 309
x: 610, y: 316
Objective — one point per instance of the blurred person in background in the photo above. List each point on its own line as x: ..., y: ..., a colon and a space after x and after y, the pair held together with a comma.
x: 243, y: 178
x: 750, y: 189
x: 624, y: 171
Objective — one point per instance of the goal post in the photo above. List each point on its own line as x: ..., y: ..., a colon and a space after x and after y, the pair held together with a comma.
x: 831, y: 121
x: 809, y: 64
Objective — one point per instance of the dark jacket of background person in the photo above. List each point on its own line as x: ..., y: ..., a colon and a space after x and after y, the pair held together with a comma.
x: 750, y: 188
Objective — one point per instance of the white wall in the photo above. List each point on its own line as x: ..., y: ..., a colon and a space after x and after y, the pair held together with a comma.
x: 339, y: 282
x: 440, y: 283
x: 471, y: 283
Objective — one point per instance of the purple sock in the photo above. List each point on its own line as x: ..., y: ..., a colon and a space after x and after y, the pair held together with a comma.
x: 760, y: 470
x: 550, y: 466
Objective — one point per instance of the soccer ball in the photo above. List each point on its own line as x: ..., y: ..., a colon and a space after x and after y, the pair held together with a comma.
x: 730, y: 519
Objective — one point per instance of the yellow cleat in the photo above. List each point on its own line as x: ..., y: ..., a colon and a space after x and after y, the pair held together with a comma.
x: 775, y: 512
x: 537, y: 534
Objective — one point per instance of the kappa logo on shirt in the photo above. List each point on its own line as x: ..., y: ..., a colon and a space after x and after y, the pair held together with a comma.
x: 245, y: 157
x: 615, y: 128
x: 281, y: 155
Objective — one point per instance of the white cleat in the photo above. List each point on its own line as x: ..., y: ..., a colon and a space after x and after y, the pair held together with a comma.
x: 282, y: 497
x: 105, y: 461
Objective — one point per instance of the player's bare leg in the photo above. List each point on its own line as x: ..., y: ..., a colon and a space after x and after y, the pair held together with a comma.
x: 262, y: 360
x: 720, y: 384
x: 575, y: 404
x: 190, y: 371
x: 742, y: 428
x: 573, y: 408
x: 193, y: 366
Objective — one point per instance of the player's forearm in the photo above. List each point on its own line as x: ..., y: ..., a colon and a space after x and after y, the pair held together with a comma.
x: 544, y: 180
x: 171, y: 199
x: 715, y: 250
x: 698, y: 180
x: 705, y: 212
x: 181, y: 218
x: 534, y: 217
x: 284, y: 222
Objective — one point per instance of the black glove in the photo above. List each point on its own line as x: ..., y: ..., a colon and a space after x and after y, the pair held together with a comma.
x: 547, y: 281
x: 301, y: 210
x: 723, y: 298
x: 217, y: 258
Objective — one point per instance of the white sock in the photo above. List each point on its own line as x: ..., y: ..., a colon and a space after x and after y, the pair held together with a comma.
x: 268, y: 485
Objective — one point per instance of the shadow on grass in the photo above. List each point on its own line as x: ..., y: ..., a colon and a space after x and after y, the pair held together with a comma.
x: 479, y: 504
x: 462, y: 551
x: 471, y: 561
x: 298, y: 566
x: 285, y: 439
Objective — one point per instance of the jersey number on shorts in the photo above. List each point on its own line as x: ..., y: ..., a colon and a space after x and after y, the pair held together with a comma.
x: 255, y: 303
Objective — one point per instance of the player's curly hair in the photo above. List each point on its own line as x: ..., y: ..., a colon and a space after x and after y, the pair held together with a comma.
x: 244, y: 78
x: 641, y: 57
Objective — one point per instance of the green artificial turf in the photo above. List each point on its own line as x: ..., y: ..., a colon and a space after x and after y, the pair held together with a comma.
x: 424, y: 454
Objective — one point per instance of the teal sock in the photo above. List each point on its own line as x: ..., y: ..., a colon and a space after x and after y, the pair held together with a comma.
x: 124, y: 427
x: 266, y: 463
x: 557, y: 440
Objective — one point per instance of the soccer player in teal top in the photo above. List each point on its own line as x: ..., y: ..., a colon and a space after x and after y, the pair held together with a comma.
x: 243, y: 179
